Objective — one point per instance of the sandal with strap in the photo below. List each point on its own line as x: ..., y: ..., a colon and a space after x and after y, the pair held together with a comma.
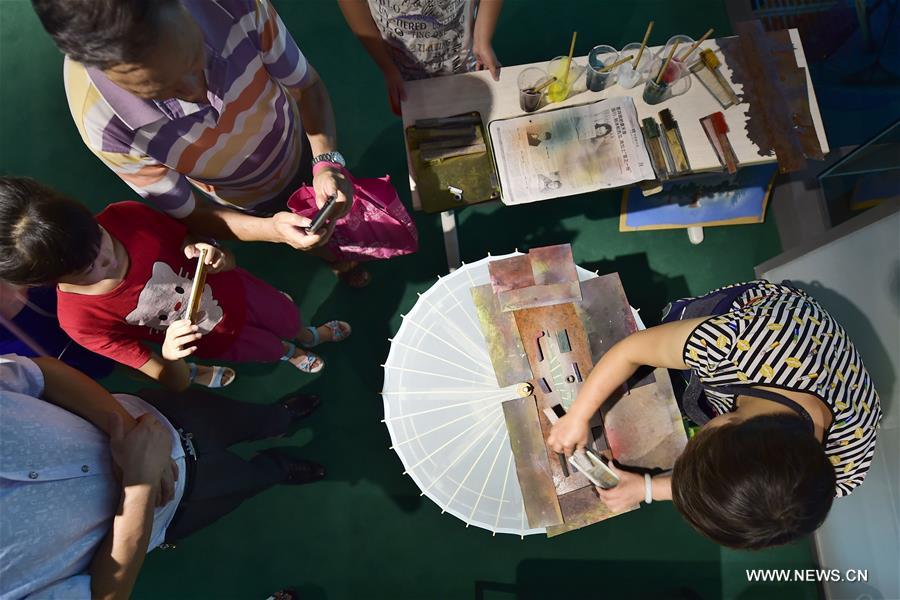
x: 340, y: 330
x: 218, y: 375
x: 306, y: 363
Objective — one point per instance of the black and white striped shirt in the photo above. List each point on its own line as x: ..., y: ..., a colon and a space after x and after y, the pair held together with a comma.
x: 779, y: 337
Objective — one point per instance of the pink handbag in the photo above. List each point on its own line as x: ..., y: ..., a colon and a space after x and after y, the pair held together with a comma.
x: 377, y: 226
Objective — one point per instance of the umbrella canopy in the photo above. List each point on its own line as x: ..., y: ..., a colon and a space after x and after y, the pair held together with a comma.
x: 442, y: 407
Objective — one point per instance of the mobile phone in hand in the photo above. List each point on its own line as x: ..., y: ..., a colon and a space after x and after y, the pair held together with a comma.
x: 322, y: 216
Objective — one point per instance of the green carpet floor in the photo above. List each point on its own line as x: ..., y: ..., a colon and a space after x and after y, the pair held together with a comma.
x: 365, y: 532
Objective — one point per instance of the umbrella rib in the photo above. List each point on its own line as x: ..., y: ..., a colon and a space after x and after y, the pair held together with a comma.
x: 503, y: 493
x: 482, y: 373
x: 440, y: 408
x: 488, y: 476
x: 407, y: 370
x: 522, y: 522
x: 459, y: 302
x: 456, y: 460
x: 442, y: 425
x: 455, y: 326
x: 439, y: 338
x: 462, y: 482
x: 447, y: 443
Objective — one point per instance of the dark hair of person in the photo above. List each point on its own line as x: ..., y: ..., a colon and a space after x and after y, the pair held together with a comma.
x: 103, y: 33
x: 753, y: 484
x: 44, y: 236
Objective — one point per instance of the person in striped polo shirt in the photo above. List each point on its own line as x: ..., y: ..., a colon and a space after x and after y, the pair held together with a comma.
x: 789, y: 413
x: 213, y: 96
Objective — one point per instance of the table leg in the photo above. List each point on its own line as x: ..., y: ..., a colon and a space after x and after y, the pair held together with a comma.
x: 451, y: 239
x: 695, y: 234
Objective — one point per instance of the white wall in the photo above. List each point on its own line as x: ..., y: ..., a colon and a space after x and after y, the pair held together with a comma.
x: 856, y: 277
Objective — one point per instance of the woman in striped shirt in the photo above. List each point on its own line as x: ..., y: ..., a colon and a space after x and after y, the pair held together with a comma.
x: 789, y: 414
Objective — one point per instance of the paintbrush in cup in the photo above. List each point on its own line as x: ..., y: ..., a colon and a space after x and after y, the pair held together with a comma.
x: 637, y: 60
x: 568, y: 63
x: 621, y: 61
x: 695, y: 45
x: 668, y: 60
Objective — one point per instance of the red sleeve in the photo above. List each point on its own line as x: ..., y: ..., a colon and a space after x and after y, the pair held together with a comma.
x: 128, y: 351
x: 104, y: 340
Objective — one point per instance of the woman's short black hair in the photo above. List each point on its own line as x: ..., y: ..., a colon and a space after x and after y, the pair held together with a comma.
x: 756, y: 483
x: 102, y: 33
x: 44, y: 236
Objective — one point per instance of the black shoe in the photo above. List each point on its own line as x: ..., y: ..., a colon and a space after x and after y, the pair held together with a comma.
x: 297, y: 471
x: 301, y: 405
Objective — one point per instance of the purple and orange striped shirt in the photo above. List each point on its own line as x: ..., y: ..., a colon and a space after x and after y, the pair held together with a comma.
x: 241, y: 148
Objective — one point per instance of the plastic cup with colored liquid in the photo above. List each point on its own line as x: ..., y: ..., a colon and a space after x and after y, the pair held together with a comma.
x: 560, y: 89
x: 677, y: 76
x: 598, y: 58
x: 528, y: 80
x: 670, y: 84
x: 629, y: 76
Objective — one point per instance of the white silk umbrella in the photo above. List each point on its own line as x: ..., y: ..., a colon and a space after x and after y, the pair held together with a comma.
x: 442, y: 407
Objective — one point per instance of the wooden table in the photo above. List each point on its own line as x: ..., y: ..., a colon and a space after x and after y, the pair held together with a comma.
x: 455, y: 94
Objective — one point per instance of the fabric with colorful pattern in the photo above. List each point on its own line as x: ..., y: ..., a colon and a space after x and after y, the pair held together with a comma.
x: 779, y: 337
x: 241, y: 148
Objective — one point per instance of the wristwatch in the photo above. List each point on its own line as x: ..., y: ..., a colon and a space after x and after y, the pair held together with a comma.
x: 334, y: 157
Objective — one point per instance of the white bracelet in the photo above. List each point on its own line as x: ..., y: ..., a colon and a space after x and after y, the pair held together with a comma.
x: 648, y: 488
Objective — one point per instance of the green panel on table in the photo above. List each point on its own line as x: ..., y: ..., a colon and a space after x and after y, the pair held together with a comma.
x: 366, y: 532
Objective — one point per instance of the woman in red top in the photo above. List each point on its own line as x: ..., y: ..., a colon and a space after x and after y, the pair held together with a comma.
x: 124, y: 279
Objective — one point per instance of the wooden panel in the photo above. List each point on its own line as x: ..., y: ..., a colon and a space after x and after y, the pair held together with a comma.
x: 504, y: 345
x: 607, y: 316
x: 532, y: 465
x: 582, y: 508
x: 539, y: 295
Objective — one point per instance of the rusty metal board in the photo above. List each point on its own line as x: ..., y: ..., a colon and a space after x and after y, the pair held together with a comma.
x: 532, y: 465
x: 501, y: 334
x: 644, y: 428
x: 536, y: 323
x: 539, y: 295
x: 543, y: 277
x: 568, y: 480
x: 554, y: 348
x: 607, y: 316
x: 511, y: 273
x: 541, y: 330
x: 553, y: 264
x: 582, y: 508
x: 775, y: 89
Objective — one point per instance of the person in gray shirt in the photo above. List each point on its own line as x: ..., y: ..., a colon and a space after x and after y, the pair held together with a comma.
x: 90, y: 482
